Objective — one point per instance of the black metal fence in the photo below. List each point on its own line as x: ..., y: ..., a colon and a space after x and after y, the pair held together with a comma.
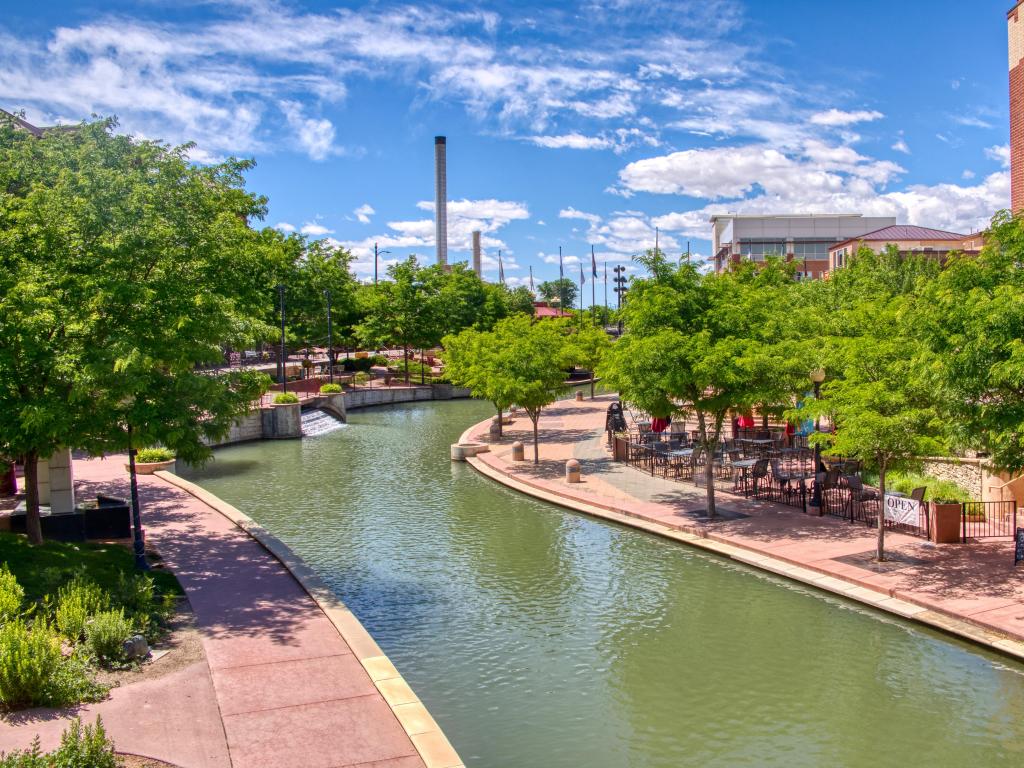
x: 988, y: 519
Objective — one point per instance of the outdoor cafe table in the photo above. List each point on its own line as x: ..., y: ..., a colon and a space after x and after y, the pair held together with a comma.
x: 744, y: 465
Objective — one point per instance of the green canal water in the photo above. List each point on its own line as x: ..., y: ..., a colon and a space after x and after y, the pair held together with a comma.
x: 539, y: 638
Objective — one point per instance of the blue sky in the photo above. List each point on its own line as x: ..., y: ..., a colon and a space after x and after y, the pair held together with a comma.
x: 572, y: 124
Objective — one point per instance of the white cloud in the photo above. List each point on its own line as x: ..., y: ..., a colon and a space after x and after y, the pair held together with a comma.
x: 838, y: 118
x: 967, y: 174
x: 971, y: 121
x: 572, y: 213
x: 363, y: 213
x: 901, y: 146
x: 572, y: 141
x: 314, y: 229
x: 416, y: 236
x: 731, y: 172
x: 284, y: 226
x: 315, y: 135
x: 1000, y: 153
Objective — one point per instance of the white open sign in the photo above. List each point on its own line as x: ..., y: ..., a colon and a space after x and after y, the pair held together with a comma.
x: 901, y: 510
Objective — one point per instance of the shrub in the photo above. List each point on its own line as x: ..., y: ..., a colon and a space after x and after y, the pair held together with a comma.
x: 361, y: 378
x: 77, y: 602
x: 86, y: 747
x: 285, y: 397
x: 105, y: 633
x: 330, y: 389
x: 147, y: 610
x: 11, y: 595
x: 153, y: 455
x: 80, y: 747
x: 33, y: 672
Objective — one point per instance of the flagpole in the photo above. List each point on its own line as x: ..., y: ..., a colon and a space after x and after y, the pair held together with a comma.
x: 581, y: 294
x: 593, y: 284
x: 605, y: 318
x: 561, y: 285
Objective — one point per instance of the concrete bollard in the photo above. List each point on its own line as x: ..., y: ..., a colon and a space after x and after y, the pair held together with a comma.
x: 572, y: 471
x: 518, y: 452
x: 458, y: 452
x: 579, y: 395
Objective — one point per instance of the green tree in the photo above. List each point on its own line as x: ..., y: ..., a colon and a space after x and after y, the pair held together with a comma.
x: 519, y: 301
x: 562, y: 291
x: 973, y: 319
x: 404, y: 310
x: 878, y: 395
x: 706, y: 343
x: 123, y: 267
x: 317, y: 267
x: 472, y: 359
x: 587, y: 347
x: 529, y: 366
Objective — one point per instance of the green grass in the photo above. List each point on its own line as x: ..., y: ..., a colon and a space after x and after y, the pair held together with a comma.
x: 905, y: 482
x: 42, y: 570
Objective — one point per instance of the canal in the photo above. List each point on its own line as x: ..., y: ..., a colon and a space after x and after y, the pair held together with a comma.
x: 539, y: 637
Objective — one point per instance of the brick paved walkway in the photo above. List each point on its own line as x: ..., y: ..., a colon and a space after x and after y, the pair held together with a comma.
x: 974, y: 583
x: 279, y: 686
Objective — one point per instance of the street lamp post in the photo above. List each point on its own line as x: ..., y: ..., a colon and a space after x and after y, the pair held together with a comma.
x: 817, y: 377
x: 376, y: 255
x: 138, y: 543
x: 620, y: 289
x: 284, y: 359
x: 330, y: 340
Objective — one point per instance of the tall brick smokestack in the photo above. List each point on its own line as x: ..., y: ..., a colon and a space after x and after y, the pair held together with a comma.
x: 441, y: 199
x: 477, y: 267
x: 1015, y: 30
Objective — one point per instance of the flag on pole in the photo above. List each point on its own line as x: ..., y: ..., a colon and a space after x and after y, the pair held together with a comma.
x: 593, y: 262
x: 583, y: 279
x: 561, y: 269
x: 501, y: 270
x: 531, y: 278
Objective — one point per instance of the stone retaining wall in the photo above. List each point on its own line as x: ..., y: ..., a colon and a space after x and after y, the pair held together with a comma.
x: 967, y: 473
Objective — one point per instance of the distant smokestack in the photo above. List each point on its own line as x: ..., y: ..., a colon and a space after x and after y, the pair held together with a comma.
x: 441, y: 199
x: 476, y: 253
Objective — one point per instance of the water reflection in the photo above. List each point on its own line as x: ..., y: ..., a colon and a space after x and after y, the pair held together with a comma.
x: 541, y: 638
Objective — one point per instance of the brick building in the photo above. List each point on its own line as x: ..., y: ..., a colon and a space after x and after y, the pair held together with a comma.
x: 1015, y: 31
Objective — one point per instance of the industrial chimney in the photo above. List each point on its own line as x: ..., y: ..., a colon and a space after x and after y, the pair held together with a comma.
x: 441, y: 200
x: 476, y: 253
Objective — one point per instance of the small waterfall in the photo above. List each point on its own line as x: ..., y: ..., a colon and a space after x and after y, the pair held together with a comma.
x: 316, y: 422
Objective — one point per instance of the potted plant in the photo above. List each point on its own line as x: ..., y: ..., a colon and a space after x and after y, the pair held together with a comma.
x: 285, y: 398
x: 150, y: 460
x: 330, y: 389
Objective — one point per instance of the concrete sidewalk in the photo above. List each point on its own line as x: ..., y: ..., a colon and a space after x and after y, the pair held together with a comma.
x: 972, y: 590
x: 280, y: 686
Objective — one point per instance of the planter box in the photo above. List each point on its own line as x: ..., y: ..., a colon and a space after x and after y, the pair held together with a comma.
x: 149, y: 468
x: 946, y: 523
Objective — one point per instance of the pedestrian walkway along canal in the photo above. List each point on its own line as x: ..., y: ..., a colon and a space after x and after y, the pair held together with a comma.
x: 539, y: 637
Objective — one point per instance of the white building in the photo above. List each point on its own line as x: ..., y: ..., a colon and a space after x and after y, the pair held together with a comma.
x: 803, y: 238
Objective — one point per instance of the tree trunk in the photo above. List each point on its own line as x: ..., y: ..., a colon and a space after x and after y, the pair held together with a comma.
x: 709, y: 480
x: 880, y: 552
x: 33, y: 525
x: 536, y: 439
x: 422, y: 374
x: 405, y: 355
x: 501, y: 416
x: 592, y: 374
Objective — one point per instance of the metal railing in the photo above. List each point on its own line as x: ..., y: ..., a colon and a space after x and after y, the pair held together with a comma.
x: 988, y: 519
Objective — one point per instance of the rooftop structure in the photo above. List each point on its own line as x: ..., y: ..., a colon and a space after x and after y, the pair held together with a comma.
x: 908, y: 239
x: 543, y: 309
x: 801, y: 238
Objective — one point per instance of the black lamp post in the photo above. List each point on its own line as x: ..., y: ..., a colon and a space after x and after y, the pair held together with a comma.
x: 817, y: 377
x: 284, y: 359
x: 138, y: 542
x: 376, y: 254
x: 620, y: 290
x: 330, y: 340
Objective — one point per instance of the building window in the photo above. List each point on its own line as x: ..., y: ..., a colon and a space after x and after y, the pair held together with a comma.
x: 811, y: 249
x: 840, y: 254
x: 757, y: 250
